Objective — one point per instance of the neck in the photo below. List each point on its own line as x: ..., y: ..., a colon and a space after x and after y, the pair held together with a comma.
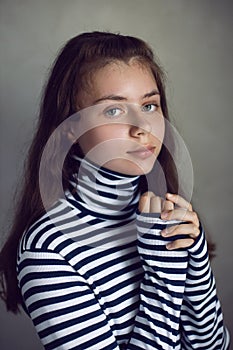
x: 106, y: 193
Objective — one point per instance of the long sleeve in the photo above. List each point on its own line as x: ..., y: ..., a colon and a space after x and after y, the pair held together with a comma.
x: 201, y: 315
x: 131, y: 297
x: 65, y: 311
x: 178, y: 294
x: 157, y: 325
x: 95, y: 274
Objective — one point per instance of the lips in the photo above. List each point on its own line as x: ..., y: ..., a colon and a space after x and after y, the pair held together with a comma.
x: 143, y: 152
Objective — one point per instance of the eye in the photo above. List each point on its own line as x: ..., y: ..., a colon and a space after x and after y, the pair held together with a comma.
x: 113, y: 112
x: 150, y: 107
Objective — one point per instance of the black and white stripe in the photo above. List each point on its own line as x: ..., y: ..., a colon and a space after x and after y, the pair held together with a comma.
x: 89, y: 283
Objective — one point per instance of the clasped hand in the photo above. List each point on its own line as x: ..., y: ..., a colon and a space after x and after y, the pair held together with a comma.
x: 174, y: 207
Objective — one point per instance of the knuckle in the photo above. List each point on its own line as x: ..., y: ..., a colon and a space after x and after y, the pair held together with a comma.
x: 190, y: 242
x: 195, y: 217
x: 194, y: 228
x: 151, y: 194
x: 145, y: 195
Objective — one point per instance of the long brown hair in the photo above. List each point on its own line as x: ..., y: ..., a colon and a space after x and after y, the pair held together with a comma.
x: 80, y: 57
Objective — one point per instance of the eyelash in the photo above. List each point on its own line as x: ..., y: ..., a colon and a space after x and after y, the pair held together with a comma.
x: 151, y: 104
x: 109, y: 110
x: 106, y: 112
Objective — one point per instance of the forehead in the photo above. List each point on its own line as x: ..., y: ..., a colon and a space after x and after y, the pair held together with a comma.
x: 121, y: 72
x: 130, y: 80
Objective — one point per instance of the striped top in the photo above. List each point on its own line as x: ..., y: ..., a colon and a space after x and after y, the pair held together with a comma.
x: 95, y: 274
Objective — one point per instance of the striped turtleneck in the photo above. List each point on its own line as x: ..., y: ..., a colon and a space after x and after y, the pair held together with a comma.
x: 90, y: 283
x: 105, y: 192
x: 107, y: 197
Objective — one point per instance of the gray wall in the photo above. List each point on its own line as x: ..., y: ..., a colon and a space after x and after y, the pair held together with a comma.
x: 193, y: 40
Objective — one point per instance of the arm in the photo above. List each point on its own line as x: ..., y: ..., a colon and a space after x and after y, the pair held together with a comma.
x: 201, y: 315
x: 196, y: 309
x: 64, y: 309
x: 69, y: 314
x: 157, y: 325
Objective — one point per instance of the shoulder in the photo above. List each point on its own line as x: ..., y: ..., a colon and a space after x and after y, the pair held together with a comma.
x: 50, y: 232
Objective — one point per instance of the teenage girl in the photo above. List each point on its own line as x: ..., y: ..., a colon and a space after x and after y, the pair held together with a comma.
x: 96, y: 257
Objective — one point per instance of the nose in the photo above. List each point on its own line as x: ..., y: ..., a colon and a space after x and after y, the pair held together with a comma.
x: 140, y: 126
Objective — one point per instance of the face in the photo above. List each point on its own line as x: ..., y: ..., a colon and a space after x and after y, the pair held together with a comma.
x: 122, y: 119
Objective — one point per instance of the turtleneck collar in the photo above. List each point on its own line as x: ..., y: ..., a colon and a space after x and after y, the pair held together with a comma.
x: 105, y: 193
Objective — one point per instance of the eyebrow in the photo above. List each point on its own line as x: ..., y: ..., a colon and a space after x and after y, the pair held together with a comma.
x: 121, y: 98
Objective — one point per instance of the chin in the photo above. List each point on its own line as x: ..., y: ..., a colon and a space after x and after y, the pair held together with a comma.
x: 129, y: 168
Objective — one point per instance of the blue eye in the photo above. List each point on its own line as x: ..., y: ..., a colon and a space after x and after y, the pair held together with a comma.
x: 150, y: 107
x: 113, y: 112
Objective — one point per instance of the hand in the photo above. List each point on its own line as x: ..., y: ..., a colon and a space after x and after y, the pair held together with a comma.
x: 150, y: 203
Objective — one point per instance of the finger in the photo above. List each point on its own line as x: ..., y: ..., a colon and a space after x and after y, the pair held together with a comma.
x: 167, y: 205
x: 155, y: 204
x: 181, y: 214
x: 180, y: 243
x: 178, y: 200
x: 183, y: 229
x: 144, y: 204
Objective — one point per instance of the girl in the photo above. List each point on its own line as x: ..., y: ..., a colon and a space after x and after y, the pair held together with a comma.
x: 72, y: 259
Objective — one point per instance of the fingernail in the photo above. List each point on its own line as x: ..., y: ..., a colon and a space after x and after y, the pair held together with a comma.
x: 164, y: 232
x: 169, y: 194
x: 169, y: 246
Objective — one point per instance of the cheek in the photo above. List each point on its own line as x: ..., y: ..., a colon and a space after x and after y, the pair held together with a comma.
x: 158, y: 131
x: 87, y: 141
x: 99, y: 135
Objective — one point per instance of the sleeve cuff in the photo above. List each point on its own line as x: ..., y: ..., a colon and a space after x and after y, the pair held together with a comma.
x: 199, y: 247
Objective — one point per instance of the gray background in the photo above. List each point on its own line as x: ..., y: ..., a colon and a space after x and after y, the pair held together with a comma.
x: 193, y: 40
